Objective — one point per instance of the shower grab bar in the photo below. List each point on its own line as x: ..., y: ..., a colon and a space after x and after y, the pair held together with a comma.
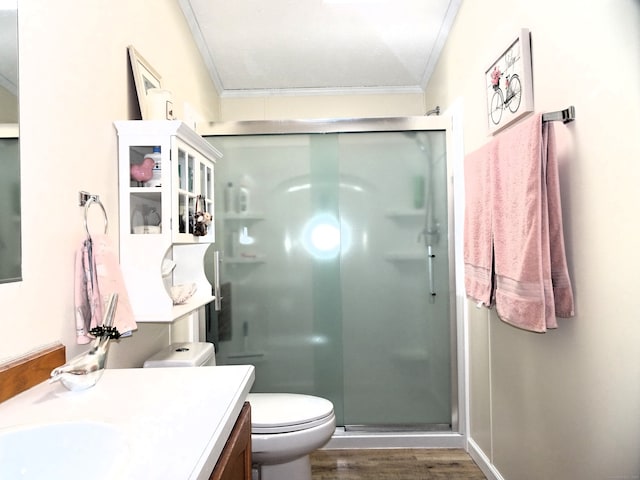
x: 430, y: 257
x: 217, y: 301
x: 565, y: 116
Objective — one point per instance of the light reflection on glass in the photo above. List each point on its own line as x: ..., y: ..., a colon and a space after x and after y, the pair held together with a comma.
x: 323, y: 236
x: 307, y: 186
x: 287, y: 243
x: 244, y: 237
x: 318, y: 340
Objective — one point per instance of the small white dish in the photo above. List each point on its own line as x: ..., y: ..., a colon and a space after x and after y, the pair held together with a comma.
x: 182, y: 293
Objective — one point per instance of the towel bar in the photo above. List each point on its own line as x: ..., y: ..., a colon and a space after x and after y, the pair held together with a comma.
x: 565, y: 116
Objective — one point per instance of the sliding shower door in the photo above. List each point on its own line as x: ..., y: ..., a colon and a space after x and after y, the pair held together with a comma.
x: 395, y: 280
x: 335, y: 271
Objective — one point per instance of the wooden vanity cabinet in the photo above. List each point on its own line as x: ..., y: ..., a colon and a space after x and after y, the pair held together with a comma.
x: 235, y: 460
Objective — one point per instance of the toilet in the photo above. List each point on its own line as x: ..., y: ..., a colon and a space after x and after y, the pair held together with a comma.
x: 285, y: 427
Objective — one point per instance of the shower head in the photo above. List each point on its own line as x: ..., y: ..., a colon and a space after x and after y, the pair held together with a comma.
x: 435, y: 111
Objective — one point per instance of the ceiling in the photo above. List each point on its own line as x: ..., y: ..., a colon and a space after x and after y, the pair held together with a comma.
x: 255, y: 47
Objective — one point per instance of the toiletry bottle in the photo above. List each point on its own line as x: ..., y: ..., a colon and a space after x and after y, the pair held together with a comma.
x: 156, y: 178
x: 228, y: 198
x: 243, y: 199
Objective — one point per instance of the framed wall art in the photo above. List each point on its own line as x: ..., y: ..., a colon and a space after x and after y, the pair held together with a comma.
x: 509, y: 84
x: 145, y: 77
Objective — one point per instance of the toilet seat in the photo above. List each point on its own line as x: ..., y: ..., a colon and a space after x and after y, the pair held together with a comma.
x: 287, y: 412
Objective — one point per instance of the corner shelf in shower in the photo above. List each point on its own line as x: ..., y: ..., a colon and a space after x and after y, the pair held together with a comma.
x: 405, y: 256
x: 248, y: 354
x: 244, y: 260
x: 406, y: 213
x: 242, y: 217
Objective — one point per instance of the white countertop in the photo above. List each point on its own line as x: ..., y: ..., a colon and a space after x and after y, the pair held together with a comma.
x: 176, y: 421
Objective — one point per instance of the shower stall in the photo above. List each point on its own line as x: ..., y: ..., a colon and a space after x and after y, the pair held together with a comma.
x: 335, y: 244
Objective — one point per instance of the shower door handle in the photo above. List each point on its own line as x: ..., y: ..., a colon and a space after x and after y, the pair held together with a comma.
x: 430, y: 257
x: 217, y: 302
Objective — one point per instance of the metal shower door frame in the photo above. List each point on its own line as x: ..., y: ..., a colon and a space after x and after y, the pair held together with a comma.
x: 343, y: 439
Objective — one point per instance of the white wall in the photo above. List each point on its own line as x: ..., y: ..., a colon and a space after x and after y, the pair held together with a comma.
x: 354, y: 105
x: 74, y: 82
x: 564, y: 405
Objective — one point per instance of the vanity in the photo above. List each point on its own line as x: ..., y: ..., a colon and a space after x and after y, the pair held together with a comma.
x: 164, y: 423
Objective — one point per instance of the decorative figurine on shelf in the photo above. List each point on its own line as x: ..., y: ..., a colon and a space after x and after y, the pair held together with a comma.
x: 201, y: 220
x: 200, y: 224
x: 142, y: 172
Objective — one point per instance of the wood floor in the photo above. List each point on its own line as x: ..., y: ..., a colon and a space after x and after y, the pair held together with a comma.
x: 394, y: 464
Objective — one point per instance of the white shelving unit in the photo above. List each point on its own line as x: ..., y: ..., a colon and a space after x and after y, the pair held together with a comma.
x: 155, y: 221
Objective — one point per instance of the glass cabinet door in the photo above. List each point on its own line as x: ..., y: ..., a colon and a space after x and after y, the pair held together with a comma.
x: 194, y: 190
x: 145, y: 195
x: 206, y: 186
x: 185, y: 174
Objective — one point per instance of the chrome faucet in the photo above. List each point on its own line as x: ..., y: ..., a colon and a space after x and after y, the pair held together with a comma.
x: 84, y: 370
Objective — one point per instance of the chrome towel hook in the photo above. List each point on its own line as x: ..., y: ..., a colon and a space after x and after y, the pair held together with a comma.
x: 86, y: 200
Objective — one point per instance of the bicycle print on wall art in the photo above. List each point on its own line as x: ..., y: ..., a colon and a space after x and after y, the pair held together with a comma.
x: 508, y: 83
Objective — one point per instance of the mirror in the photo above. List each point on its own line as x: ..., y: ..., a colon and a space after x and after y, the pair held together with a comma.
x: 10, y: 239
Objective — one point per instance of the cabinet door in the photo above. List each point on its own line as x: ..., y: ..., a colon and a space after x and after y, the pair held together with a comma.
x: 235, y: 460
x: 146, y: 208
x: 205, y: 183
x: 193, y: 192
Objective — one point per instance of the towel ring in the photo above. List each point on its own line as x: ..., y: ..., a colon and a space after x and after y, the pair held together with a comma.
x: 96, y: 200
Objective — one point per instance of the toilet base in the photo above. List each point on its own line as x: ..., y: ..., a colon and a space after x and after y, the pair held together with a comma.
x: 298, y: 469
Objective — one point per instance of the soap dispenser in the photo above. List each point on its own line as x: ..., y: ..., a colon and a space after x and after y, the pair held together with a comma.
x: 156, y: 175
x: 242, y: 204
x: 228, y: 198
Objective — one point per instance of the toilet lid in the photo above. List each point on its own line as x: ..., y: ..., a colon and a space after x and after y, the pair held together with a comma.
x: 287, y: 412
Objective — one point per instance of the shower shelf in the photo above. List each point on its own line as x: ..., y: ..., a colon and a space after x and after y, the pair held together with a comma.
x: 234, y: 355
x: 406, y: 213
x: 240, y: 217
x: 405, y: 256
x: 244, y: 260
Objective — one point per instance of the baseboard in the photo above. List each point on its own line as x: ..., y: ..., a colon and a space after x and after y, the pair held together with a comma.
x: 483, y: 462
x: 346, y: 440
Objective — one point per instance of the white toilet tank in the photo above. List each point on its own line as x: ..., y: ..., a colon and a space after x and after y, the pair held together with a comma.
x: 188, y: 354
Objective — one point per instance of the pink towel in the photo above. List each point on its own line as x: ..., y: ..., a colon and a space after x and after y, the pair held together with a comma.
x: 87, y: 304
x: 110, y: 281
x: 98, y: 275
x: 478, y: 248
x: 526, y: 214
x: 562, y: 290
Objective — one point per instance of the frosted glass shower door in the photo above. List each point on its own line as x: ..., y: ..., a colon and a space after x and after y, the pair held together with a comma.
x: 395, y: 281
x: 337, y: 275
x: 281, y: 279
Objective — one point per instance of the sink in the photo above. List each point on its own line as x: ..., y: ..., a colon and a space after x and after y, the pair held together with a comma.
x: 66, y: 450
